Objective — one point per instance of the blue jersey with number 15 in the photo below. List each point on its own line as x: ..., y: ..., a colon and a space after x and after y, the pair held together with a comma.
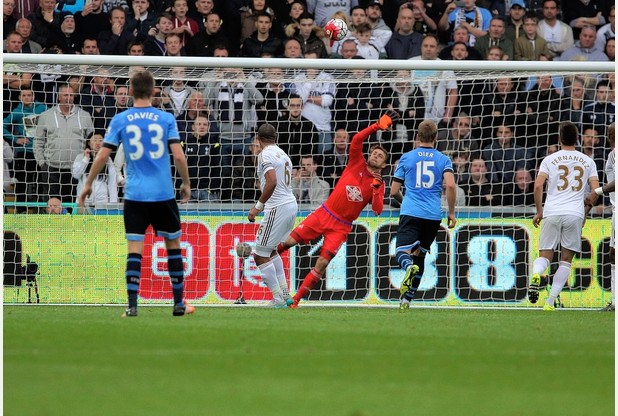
x: 421, y: 171
x: 145, y: 134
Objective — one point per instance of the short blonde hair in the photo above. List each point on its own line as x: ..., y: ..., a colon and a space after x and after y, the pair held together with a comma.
x: 427, y: 131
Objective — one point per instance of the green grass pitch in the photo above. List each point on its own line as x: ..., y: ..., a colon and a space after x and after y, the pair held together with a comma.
x: 311, y: 361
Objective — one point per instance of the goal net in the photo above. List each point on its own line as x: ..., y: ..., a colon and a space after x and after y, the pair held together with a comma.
x: 497, y: 120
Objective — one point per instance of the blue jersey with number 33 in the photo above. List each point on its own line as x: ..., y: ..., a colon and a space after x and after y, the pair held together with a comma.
x: 145, y: 134
x: 421, y: 171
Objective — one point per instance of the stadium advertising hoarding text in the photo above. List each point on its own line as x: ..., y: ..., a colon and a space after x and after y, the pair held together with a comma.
x: 481, y: 262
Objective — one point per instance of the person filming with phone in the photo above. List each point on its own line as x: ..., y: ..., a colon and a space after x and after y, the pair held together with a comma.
x: 465, y: 13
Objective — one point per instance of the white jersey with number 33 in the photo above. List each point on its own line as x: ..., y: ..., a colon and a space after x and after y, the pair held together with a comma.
x: 272, y: 157
x: 568, y: 172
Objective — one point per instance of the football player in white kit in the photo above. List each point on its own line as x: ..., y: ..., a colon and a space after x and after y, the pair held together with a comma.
x: 274, y: 170
x: 566, y: 172
x: 610, y: 186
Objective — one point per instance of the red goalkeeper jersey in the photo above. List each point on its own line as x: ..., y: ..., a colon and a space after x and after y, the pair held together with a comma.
x: 354, y: 191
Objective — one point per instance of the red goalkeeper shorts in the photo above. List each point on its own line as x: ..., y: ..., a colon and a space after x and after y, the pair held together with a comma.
x: 318, y: 223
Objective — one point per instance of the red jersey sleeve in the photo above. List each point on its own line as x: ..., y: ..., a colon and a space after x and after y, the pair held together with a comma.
x: 354, y: 189
x: 356, y: 147
x: 377, y: 202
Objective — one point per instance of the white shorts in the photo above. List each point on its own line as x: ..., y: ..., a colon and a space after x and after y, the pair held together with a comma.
x: 275, y: 227
x: 563, y: 229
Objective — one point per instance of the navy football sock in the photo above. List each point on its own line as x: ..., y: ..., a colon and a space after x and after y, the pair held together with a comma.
x: 176, y: 271
x: 420, y: 262
x: 132, y: 274
x: 404, y: 259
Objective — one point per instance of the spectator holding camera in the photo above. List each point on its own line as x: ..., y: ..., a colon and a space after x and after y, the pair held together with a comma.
x: 92, y: 21
x: 423, y: 22
x: 154, y: 45
x: 104, y: 187
x: 466, y: 13
x: 307, y: 187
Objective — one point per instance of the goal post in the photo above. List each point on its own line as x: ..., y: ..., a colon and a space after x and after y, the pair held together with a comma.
x: 484, y: 261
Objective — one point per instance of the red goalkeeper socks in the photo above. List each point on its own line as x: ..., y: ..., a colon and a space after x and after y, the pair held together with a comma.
x: 312, y: 278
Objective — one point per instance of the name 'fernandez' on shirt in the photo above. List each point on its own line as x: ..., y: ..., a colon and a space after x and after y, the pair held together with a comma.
x: 570, y: 158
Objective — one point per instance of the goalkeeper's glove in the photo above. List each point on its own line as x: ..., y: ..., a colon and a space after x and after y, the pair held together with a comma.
x: 377, y: 181
x: 387, y: 119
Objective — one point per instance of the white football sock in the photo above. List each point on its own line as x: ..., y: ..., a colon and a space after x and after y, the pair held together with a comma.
x: 283, y: 283
x: 560, y: 279
x: 269, y: 276
x: 540, y: 265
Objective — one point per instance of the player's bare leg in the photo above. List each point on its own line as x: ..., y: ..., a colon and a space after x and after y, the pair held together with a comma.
x: 286, y: 245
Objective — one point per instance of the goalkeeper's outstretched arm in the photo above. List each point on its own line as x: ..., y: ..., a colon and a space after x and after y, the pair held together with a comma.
x: 384, y: 123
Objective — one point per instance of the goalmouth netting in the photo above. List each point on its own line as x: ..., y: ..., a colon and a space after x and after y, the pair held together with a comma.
x: 497, y: 120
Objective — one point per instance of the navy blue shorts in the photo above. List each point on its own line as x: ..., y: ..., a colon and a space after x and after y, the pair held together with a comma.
x: 413, y: 232
x: 162, y: 215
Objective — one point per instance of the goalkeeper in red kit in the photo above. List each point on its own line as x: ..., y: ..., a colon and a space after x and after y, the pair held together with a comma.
x: 360, y: 183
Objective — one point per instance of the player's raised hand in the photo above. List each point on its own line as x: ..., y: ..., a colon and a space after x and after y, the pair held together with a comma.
x: 387, y: 119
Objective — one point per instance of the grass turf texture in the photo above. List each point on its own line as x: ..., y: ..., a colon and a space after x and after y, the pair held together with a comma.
x: 311, y: 361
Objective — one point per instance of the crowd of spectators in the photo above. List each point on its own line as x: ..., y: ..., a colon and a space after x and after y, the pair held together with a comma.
x: 495, y: 130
